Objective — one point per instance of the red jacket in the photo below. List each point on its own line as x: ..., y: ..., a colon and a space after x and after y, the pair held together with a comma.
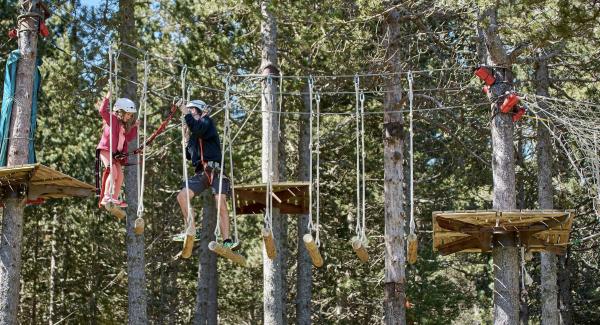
x: 116, y: 125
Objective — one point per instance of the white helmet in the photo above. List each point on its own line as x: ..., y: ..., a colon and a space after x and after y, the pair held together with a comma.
x: 124, y: 104
x: 199, y: 105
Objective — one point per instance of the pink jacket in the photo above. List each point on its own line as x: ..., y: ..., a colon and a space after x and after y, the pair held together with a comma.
x: 116, y: 124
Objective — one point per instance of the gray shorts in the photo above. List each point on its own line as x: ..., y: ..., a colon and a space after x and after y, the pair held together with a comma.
x: 200, y: 182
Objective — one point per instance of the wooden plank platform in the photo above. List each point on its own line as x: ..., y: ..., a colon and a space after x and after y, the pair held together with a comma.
x: 471, y: 231
x: 250, y: 199
x: 43, y: 182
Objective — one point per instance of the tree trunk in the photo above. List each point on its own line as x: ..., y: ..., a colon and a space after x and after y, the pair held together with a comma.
x: 136, y: 277
x: 206, y: 293
x: 564, y: 286
x: 504, y: 252
x: 394, y: 294
x: 549, y: 285
x: 304, y: 272
x: 52, y: 280
x: 18, y: 152
x: 273, y: 293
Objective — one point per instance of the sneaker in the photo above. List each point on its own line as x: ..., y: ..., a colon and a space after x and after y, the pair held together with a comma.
x: 229, y: 244
x: 121, y: 204
x: 105, y: 200
x: 180, y: 237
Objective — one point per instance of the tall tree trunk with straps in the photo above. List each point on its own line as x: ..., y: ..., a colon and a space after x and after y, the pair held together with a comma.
x: 304, y: 268
x: 549, y: 261
x: 136, y: 276
x: 393, y: 123
x: 205, y: 312
x: 18, y: 154
x: 505, y: 251
x: 273, y: 293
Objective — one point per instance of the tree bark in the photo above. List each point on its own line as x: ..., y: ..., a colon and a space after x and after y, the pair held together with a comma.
x: 136, y: 276
x: 18, y: 152
x: 504, y: 252
x: 206, y: 293
x: 52, y: 280
x: 394, y: 291
x: 549, y: 284
x: 304, y: 272
x: 273, y: 293
x: 564, y: 285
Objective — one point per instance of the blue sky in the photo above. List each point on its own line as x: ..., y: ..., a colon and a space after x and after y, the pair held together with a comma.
x: 91, y: 2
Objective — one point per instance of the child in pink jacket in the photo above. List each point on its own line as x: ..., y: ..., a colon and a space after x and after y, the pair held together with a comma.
x: 123, y: 131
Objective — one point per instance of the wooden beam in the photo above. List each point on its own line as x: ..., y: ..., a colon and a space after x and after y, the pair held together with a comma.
x: 39, y: 191
x: 459, y: 245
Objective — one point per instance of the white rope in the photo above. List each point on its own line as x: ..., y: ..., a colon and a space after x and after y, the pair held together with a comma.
x: 111, y: 88
x: 269, y: 196
x: 411, y: 152
x: 142, y: 155
x: 226, y: 135
x: 358, y: 228
x: 190, y: 219
x: 363, y: 236
x: 310, y: 225
x: 231, y: 175
x: 318, y: 179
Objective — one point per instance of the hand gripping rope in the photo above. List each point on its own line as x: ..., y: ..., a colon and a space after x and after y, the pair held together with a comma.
x: 412, y: 237
x: 359, y: 242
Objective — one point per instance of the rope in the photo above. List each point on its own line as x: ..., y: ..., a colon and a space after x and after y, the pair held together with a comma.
x: 111, y: 88
x: 269, y: 196
x: 318, y: 180
x: 310, y: 225
x: 411, y: 152
x: 225, y: 142
x: 230, y: 141
x: 190, y: 219
x: 358, y: 228
x: 363, y: 236
x: 141, y: 175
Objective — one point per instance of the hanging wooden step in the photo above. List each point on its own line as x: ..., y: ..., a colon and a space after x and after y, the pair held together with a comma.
x: 42, y: 182
x: 288, y: 197
x: 472, y: 231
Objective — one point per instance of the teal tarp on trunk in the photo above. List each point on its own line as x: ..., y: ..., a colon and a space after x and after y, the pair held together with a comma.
x: 8, y: 97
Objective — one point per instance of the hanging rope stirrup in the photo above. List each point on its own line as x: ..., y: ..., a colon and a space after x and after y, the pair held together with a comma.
x: 412, y: 245
x: 312, y: 244
x: 139, y: 222
x: 190, y: 229
x: 359, y: 243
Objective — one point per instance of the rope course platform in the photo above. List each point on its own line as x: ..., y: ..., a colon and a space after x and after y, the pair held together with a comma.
x: 42, y: 182
x: 289, y: 197
x: 471, y: 231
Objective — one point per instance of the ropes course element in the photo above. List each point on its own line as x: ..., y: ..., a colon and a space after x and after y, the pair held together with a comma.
x: 267, y: 231
x: 227, y: 145
x: 190, y: 229
x: 139, y: 222
x: 574, y: 126
x: 412, y: 245
x: 312, y: 245
x: 359, y: 242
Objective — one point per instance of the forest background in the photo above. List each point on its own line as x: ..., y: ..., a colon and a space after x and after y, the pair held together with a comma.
x: 74, y: 254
